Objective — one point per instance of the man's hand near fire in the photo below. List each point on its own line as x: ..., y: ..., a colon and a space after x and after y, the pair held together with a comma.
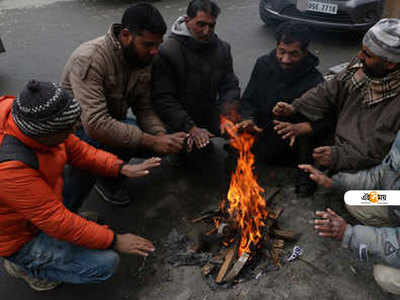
x: 142, y: 169
x: 248, y: 126
x: 199, y: 137
x: 317, y: 176
x: 290, y: 131
x: 323, y: 155
x: 283, y: 109
x: 329, y: 224
x: 133, y: 244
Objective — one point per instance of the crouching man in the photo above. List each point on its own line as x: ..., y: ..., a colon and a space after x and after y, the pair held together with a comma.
x: 42, y: 241
x: 380, y: 234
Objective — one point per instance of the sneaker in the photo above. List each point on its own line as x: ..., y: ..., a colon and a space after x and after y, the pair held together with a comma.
x: 36, y: 284
x: 112, y: 192
x: 305, y: 187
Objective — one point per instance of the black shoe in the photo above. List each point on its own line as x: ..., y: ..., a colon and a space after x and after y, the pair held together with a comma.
x: 305, y: 187
x: 112, y: 192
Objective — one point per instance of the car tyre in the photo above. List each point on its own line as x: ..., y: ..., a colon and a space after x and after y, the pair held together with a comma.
x: 264, y: 17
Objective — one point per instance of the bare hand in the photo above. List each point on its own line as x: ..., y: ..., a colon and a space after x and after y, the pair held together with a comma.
x: 198, y: 136
x: 283, y: 109
x: 290, y: 131
x: 133, y: 244
x: 249, y: 126
x: 139, y: 170
x: 323, y: 155
x: 169, y: 143
x: 330, y: 225
x: 317, y: 176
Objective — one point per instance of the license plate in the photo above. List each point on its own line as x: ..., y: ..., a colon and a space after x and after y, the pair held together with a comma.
x: 322, y: 7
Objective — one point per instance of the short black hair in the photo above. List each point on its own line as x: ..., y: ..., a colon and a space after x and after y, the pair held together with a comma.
x: 143, y: 16
x: 292, y: 32
x: 208, y: 6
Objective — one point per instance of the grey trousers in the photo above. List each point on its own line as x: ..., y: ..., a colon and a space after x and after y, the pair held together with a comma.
x: 388, y: 278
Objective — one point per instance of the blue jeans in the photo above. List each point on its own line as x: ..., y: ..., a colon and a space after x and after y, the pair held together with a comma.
x: 78, y: 183
x: 45, y: 257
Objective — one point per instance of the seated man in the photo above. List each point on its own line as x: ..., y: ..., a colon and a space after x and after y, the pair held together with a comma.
x: 109, y: 75
x: 41, y: 240
x: 282, y: 75
x: 365, y: 99
x: 194, y: 78
x: 382, y: 242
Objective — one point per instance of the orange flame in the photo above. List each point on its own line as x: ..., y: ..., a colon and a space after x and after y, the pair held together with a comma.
x: 246, y: 205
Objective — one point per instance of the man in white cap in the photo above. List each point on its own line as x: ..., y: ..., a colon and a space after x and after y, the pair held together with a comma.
x: 365, y: 99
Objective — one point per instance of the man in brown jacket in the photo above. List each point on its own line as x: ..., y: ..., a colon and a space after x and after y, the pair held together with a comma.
x: 109, y: 75
x: 365, y: 99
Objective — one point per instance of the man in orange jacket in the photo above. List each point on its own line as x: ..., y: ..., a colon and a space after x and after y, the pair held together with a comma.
x: 41, y: 240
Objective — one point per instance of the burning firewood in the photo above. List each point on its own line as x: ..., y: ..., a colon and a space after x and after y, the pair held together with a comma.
x: 230, y: 255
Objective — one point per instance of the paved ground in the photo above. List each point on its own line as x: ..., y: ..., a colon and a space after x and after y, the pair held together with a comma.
x: 39, y: 39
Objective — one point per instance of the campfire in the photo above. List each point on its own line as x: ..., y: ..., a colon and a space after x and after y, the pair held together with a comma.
x: 244, y: 226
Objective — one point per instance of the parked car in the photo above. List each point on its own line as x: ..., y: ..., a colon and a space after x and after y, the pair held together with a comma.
x: 329, y: 14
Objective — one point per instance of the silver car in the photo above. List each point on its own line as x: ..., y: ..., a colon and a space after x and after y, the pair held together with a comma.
x: 329, y: 14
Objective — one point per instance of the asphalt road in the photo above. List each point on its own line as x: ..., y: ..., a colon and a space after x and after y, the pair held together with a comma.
x: 39, y: 36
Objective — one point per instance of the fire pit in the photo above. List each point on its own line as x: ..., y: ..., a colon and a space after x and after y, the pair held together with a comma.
x: 244, y: 226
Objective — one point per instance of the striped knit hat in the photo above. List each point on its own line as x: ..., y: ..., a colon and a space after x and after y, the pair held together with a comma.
x: 383, y: 39
x: 43, y: 108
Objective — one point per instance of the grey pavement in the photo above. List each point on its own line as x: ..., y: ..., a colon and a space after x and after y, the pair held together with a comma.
x: 40, y: 35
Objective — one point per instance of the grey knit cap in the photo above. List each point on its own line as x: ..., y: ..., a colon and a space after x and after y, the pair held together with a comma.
x: 383, y: 39
x: 44, y: 108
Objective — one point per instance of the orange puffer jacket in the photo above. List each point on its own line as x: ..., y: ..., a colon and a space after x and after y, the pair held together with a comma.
x: 31, y: 197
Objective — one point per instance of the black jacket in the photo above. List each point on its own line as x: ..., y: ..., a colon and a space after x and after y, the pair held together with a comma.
x: 191, y: 80
x: 270, y: 84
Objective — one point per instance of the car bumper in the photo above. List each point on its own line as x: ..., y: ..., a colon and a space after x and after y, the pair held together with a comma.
x: 349, y: 24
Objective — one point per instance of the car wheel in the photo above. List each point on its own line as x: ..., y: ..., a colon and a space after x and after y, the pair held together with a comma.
x: 263, y: 15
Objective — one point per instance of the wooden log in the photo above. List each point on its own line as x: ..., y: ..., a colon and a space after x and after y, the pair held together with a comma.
x: 277, y: 243
x: 276, y: 254
x: 230, y: 255
x: 271, y: 193
x: 237, y: 267
x: 288, y: 235
x: 276, y: 213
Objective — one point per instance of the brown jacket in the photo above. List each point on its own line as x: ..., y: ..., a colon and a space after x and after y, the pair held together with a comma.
x: 364, y: 133
x: 106, y: 87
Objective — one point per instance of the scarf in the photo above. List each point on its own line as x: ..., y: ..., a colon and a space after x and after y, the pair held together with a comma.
x: 373, y: 90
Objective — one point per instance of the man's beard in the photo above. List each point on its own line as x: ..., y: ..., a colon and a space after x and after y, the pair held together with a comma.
x: 377, y: 72
x: 132, y: 57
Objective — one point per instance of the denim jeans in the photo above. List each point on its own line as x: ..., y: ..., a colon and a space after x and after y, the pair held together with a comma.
x: 78, y: 183
x: 45, y: 257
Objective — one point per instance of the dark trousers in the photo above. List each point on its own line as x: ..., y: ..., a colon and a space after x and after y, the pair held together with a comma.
x: 78, y: 183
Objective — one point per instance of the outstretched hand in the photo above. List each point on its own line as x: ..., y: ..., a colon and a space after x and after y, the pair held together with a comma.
x: 283, y: 109
x: 133, y: 244
x: 317, y: 176
x: 142, y: 169
x: 323, y: 155
x: 290, y: 131
x: 200, y: 137
x: 249, y: 126
x: 330, y: 224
